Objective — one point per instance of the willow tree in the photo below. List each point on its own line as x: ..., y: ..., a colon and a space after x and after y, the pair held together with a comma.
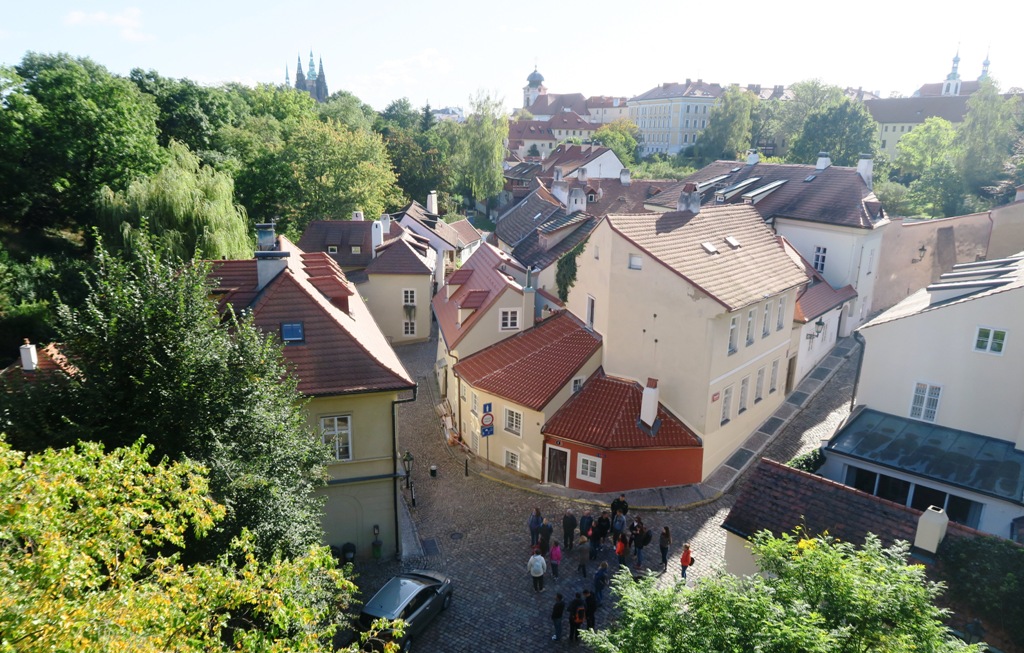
x: 481, y: 146
x: 185, y: 206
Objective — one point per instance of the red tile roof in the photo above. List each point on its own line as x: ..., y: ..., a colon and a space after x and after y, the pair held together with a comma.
x: 605, y: 413
x: 343, y: 350
x: 531, y: 367
x: 49, y: 359
x: 570, y: 120
x: 733, y: 276
x: 403, y: 255
x: 530, y: 130
x: 570, y: 158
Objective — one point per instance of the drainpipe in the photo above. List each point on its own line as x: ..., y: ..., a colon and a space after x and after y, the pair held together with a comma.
x: 394, y: 462
x: 860, y: 362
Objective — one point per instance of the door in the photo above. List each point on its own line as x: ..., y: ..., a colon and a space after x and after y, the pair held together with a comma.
x: 558, y: 464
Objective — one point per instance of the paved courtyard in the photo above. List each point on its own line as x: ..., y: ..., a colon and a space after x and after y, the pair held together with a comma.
x: 474, y: 527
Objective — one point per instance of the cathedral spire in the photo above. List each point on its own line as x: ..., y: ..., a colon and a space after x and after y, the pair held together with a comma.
x: 984, y: 66
x: 953, y: 74
x: 287, y: 78
x: 312, y: 67
x: 300, y: 79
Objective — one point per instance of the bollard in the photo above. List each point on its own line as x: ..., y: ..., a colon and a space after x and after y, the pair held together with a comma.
x: 467, y: 466
x: 433, y: 471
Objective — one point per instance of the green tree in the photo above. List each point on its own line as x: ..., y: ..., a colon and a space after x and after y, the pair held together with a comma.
x: 986, y: 138
x: 427, y: 119
x: 90, y: 560
x: 149, y: 354
x: 189, y: 113
x: 814, y: 595
x: 844, y: 130
x: 346, y: 109
x: 808, y: 97
x: 399, y: 114
x: 186, y: 206
x: 77, y: 128
x: 925, y: 146
x: 765, y: 119
x: 481, y: 147
x: 939, y: 192
x: 281, y: 102
x: 728, y: 134
x: 895, y: 197
x: 621, y: 136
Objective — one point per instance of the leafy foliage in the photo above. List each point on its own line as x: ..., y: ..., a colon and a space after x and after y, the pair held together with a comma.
x: 728, y: 134
x: 88, y: 561
x: 808, y: 462
x: 565, y: 271
x: 480, y: 147
x: 814, y: 595
x: 621, y: 136
x: 844, y: 130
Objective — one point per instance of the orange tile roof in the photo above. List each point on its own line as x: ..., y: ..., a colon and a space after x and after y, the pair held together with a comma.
x: 734, y: 276
x: 532, y: 366
x: 605, y: 413
x: 49, y: 359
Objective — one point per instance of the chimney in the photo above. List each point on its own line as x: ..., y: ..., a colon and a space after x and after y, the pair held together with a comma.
x: 268, y: 266
x: 29, y: 358
x: 581, y: 174
x: 689, y: 199
x: 931, y: 529
x: 376, y: 237
x: 558, y: 173
x: 266, y: 239
x: 649, y: 403
x: 624, y: 176
x: 529, y: 300
x: 1020, y: 193
x: 385, y: 223
x: 357, y: 216
x: 864, y: 169
x: 752, y: 157
x: 577, y: 200
x: 432, y: 202
x: 823, y: 161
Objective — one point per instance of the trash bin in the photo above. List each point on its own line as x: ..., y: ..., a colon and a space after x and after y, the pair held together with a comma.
x: 378, y: 548
x: 348, y: 552
x: 433, y: 470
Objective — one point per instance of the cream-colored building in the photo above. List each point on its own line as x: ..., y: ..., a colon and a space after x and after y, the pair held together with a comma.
x: 700, y: 299
x: 672, y: 116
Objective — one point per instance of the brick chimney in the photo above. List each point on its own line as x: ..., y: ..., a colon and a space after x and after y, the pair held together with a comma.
x: 29, y: 357
x: 649, y: 403
x: 931, y: 529
x: 864, y: 168
x: 689, y: 198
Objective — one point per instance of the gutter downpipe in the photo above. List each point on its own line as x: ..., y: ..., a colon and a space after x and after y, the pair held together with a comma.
x: 394, y: 463
x: 860, y: 362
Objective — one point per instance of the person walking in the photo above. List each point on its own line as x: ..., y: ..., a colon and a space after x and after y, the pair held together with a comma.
x: 534, y: 522
x: 621, y: 548
x: 582, y: 553
x: 556, y: 558
x: 589, y: 608
x: 600, y: 582
x: 604, y: 527
x: 557, y: 611
x: 586, y: 523
x: 620, y: 505
x: 686, y: 559
x: 643, y: 538
x: 664, y: 542
x: 536, y: 567
x: 568, y: 529
x: 544, y: 536
x: 618, y: 525
x: 577, y: 617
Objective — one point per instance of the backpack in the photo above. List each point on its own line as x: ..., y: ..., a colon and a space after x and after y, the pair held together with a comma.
x: 646, y: 538
x: 537, y: 567
x: 581, y: 615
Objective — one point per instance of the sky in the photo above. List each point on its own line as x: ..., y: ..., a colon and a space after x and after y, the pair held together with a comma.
x: 445, y: 52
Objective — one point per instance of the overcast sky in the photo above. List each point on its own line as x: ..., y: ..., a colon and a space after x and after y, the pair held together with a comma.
x: 445, y: 52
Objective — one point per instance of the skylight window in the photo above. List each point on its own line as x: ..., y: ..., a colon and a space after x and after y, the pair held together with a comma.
x: 810, y: 177
x: 732, y: 242
x: 709, y: 248
x: 735, y: 170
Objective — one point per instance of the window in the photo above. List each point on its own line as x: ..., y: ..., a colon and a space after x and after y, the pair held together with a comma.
x: 332, y: 249
x: 925, y: 403
x: 886, y: 128
x: 990, y: 340
x: 773, y: 385
x: 635, y: 262
x: 751, y: 319
x: 292, y: 332
x: 733, y: 335
x: 408, y: 328
x: 759, y: 386
x: 819, y: 258
x: 577, y: 384
x: 357, y: 249
x: 514, y: 421
x: 591, y: 309
x: 475, y: 405
x: 744, y: 390
x: 726, y: 405
x: 883, y: 144
x: 462, y: 392
x: 871, y: 261
x: 511, y: 460
x: 766, y: 320
x: 409, y: 297
x: 509, y: 319
x: 781, y: 317
x: 589, y: 469
x: 336, y: 431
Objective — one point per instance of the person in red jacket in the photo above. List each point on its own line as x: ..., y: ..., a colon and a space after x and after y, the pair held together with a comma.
x: 686, y: 559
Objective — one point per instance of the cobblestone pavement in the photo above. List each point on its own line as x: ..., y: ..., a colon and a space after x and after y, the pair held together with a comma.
x: 474, y: 527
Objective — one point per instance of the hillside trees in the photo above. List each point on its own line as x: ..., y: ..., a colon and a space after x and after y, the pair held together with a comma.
x: 622, y: 136
x: 843, y: 130
x: 728, y: 134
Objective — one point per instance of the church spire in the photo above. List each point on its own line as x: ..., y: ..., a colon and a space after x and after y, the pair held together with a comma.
x: 287, y: 78
x: 300, y: 79
x: 984, y: 66
x: 953, y: 74
x: 312, y: 67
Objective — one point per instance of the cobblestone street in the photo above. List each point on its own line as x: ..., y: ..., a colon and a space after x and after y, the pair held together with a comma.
x: 473, y: 527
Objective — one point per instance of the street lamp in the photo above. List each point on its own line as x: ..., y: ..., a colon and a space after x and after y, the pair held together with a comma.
x: 407, y: 461
x: 818, y: 326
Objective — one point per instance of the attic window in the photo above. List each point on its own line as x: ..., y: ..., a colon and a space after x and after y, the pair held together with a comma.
x: 735, y: 170
x: 292, y: 332
x: 332, y: 249
x: 357, y: 249
x: 709, y: 248
x: 735, y: 244
x: 591, y: 197
x: 810, y: 177
x: 536, y: 216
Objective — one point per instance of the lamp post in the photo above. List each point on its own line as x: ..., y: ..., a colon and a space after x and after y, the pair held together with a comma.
x: 818, y: 326
x: 407, y: 461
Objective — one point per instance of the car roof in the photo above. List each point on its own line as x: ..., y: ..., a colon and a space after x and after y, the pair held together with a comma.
x: 389, y: 601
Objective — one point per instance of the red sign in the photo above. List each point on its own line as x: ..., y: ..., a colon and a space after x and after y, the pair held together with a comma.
x: 487, y: 419
x: 714, y: 397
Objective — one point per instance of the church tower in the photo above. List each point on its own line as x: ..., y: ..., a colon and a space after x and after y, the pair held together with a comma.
x: 321, y: 84
x: 312, y: 82
x: 984, y: 68
x: 952, y: 84
x: 534, y: 88
x: 300, y: 79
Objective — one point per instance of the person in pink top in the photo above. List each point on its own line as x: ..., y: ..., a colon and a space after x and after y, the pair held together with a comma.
x: 556, y: 558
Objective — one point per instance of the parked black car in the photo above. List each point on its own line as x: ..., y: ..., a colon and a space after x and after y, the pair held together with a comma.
x: 416, y: 597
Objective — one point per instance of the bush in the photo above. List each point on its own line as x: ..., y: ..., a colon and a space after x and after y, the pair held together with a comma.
x: 808, y: 462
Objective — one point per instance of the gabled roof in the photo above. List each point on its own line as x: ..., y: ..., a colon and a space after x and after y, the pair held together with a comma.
x: 605, y: 102
x: 403, y: 255
x: 612, y: 196
x: 605, y: 413
x: 531, y: 367
x: 343, y: 350
x: 735, y: 276
x: 535, y: 250
x: 967, y: 87
x: 779, y: 499
x: 689, y: 89
x: 468, y: 234
x: 523, y: 171
x: 571, y: 157
x: 49, y: 359
x: 836, y: 195
x: 320, y: 234
x: 482, y: 282
x: 524, y: 217
x: 918, y: 109
x: 553, y: 103
x: 570, y: 120
x: 417, y: 212
x: 818, y: 297
x: 530, y: 130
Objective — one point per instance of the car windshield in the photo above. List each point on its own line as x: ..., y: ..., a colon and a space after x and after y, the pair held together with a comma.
x: 391, y: 598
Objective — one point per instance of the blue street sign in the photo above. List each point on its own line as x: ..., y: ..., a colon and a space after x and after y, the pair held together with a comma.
x: 487, y: 407
x: 486, y: 430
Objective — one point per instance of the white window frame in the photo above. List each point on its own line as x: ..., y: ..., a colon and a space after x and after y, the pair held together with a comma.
x: 475, y: 405
x: 513, y: 422
x: 990, y: 340
x: 744, y: 394
x: 766, y: 326
x: 759, y: 385
x: 408, y: 296
x: 512, y: 459
x: 820, y: 254
x: 773, y: 384
x: 733, y: 335
x: 462, y: 391
x: 726, y: 405
x: 408, y: 327
x: 591, y: 311
x: 588, y: 468
x: 751, y: 322
x: 577, y: 384
x: 357, y: 249
x: 332, y: 249
x: 508, y: 319
x: 636, y: 262
x: 339, y: 439
x: 924, y: 401
x: 780, y: 319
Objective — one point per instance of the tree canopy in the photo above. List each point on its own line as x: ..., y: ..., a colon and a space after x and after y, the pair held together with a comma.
x: 481, y: 147
x: 728, y: 134
x: 815, y: 594
x: 621, y: 136
x: 844, y: 130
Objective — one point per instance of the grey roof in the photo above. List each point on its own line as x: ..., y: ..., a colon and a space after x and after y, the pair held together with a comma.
x: 917, y: 109
x: 524, y: 217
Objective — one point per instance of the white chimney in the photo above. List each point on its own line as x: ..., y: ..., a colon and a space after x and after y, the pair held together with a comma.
x: 752, y: 157
x: 1020, y: 193
x: 931, y: 529
x: 577, y: 200
x: 558, y: 173
x: 29, y: 358
x: 357, y: 216
x: 376, y: 236
x: 624, y: 176
x: 689, y: 198
x: 385, y: 224
x: 529, y: 301
x: 432, y: 202
x: 864, y: 168
x: 581, y: 174
x: 649, y: 403
x: 823, y: 161
x: 268, y: 266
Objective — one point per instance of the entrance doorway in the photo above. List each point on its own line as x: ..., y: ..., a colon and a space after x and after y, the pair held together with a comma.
x: 558, y: 466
